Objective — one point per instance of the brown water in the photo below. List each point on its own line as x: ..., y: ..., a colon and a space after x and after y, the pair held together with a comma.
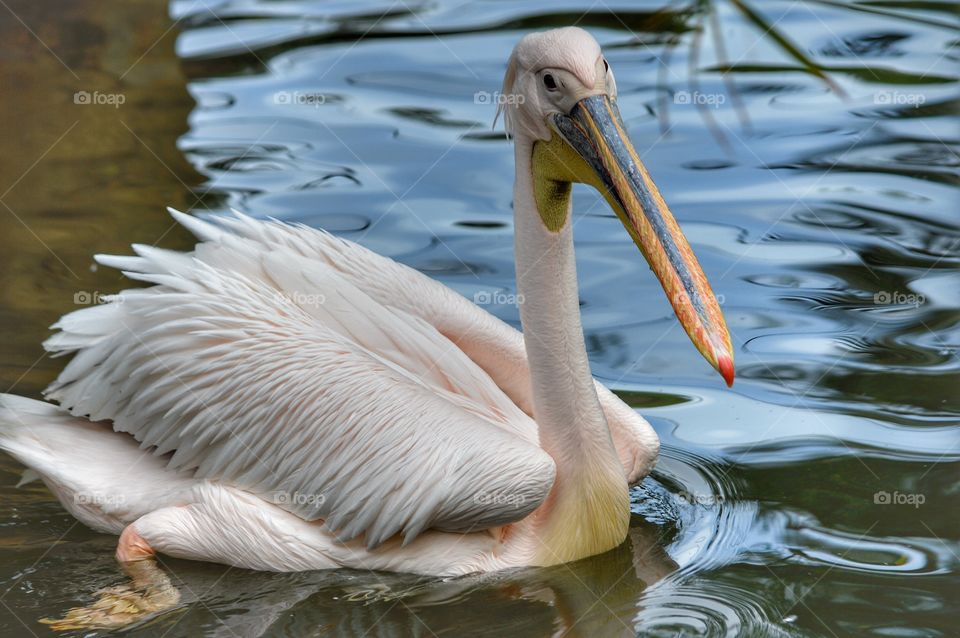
x: 829, y: 226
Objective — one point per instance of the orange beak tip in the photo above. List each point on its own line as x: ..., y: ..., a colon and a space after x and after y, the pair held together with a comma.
x: 725, y: 366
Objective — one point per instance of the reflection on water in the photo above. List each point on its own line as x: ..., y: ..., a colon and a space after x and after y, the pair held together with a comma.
x: 827, y: 224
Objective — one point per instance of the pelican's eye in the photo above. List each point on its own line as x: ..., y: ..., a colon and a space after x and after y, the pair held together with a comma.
x: 606, y: 67
x: 549, y: 82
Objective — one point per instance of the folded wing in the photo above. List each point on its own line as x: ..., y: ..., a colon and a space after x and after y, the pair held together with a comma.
x: 276, y: 374
x: 491, y: 344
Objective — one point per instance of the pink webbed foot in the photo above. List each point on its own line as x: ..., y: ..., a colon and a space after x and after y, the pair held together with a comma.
x: 133, y: 547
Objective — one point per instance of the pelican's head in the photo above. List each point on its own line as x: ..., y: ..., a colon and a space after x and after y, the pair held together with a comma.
x: 560, y: 103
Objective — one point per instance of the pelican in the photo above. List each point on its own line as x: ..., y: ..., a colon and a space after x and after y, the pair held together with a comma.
x: 282, y: 399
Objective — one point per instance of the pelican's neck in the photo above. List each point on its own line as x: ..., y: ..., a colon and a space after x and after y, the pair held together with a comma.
x: 588, y: 509
x: 565, y: 400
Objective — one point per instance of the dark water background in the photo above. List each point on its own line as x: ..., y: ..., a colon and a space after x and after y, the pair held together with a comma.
x: 809, y: 150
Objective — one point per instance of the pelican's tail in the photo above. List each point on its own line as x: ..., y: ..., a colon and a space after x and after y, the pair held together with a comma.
x: 100, y: 476
x: 37, y: 433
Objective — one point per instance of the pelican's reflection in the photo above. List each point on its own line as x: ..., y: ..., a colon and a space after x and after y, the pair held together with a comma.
x: 596, y: 596
x: 147, y: 592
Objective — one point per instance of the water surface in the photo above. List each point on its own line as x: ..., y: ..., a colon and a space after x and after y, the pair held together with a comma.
x: 808, y: 149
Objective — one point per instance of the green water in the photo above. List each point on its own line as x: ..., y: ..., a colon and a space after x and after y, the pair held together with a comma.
x: 809, y: 150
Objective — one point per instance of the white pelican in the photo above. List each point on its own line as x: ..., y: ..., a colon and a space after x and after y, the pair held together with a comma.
x: 284, y: 400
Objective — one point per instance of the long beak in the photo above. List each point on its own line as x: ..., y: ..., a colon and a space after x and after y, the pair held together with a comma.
x: 595, y: 131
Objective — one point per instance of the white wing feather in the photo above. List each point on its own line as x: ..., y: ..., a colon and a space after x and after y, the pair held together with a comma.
x: 340, y: 408
x: 491, y: 344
